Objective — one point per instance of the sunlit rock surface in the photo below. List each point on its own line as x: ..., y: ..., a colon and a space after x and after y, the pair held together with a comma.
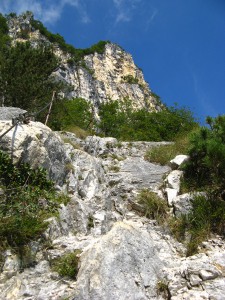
x: 124, y: 255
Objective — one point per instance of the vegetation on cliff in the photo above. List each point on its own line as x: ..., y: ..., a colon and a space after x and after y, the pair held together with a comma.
x: 27, y: 199
x: 119, y: 120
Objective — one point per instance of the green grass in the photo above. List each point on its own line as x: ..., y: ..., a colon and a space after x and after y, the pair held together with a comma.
x: 164, y: 153
x: 29, y: 199
x: 154, y: 207
x: 67, y: 265
x: 79, y: 132
x: 206, y: 217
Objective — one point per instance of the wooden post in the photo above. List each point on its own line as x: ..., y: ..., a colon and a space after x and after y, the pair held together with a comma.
x: 50, y: 108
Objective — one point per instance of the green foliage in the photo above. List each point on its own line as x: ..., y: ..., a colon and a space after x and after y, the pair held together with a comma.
x: 206, y: 216
x: 154, y: 206
x: 77, y: 54
x: 67, y: 265
x: 3, y: 25
x: 162, y: 154
x: 130, y: 79
x: 120, y: 121
x: 72, y: 113
x: 25, y: 79
x: 28, y: 199
x: 162, y: 289
x: 206, y: 167
x: 4, y: 38
x: 53, y: 38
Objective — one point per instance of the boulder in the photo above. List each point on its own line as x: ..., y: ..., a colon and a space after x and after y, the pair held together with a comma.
x: 178, y: 161
x: 36, y: 144
x: 182, y: 204
x: 8, y: 113
x: 123, y: 264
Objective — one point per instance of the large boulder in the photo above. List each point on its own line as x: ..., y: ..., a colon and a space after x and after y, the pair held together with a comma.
x: 8, y: 113
x: 126, y: 263
x: 36, y: 144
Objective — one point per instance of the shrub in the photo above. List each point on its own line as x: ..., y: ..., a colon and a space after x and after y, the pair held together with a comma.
x: 67, y: 265
x: 206, y: 167
x: 207, y: 216
x: 162, y: 289
x: 154, y: 206
x: 73, y: 115
x: 119, y: 120
x: 130, y: 79
x: 28, y: 200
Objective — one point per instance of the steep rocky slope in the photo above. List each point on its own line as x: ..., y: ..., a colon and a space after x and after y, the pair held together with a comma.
x: 124, y: 255
x: 97, y: 77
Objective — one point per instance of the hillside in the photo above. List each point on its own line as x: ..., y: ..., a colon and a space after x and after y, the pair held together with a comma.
x: 104, y: 243
x: 101, y: 73
x: 136, y: 212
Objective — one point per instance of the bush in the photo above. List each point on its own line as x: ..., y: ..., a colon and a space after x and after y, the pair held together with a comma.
x: 28, y: 200
x: 71, y: 115
x: 206, y: 167
x: 119, y: 120
x: 154, y: 206
x: 130, y: 79
x: 25, y: 79
x: 207, y: 216
x: 67, y: 265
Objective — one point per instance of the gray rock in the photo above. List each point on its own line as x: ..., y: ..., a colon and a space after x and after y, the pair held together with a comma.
x: 182, y: 204
x: 124, y: 264
x: 8, y: 113
x: 36, y: 144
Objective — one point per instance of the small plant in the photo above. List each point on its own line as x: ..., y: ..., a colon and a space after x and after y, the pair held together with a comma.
x: 162, y: 289
x: 119, y: 145
x: 67, y: 265
x: 154, y: 206
x: 90, y: 223
x: 79, y: 132
x: 115, y: 156
x: 207, y: 216
x: 130, y: 79
x: 178, y: 227
x: 68, y: 141
x: 69, y: 167
x: 80, y: 177
x: 114, y: 169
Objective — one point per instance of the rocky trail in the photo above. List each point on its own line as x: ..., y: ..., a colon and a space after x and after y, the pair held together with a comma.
x: 124, y: 255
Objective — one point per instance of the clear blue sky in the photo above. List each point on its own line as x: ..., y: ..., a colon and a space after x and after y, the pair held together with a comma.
x: 179, y: 44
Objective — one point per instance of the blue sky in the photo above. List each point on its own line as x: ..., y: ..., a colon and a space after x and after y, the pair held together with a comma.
x: 179, y: 44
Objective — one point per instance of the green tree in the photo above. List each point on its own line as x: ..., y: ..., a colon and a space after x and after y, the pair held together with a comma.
x: 69, y: 113
x: 206, y: 167
x: 118, y: 119
x: 26, y: 80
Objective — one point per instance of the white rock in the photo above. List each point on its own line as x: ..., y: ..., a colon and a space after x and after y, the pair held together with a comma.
x: 173, y: 180
x: 182, y: 204
x: 208, y: 274
x: 171, y: 195
x: 178, y: 161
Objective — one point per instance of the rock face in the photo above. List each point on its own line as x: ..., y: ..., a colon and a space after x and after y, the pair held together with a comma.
x: 106, y: 77
x: 37, y: 145
x: 124, y: 255
x: 97, y: 78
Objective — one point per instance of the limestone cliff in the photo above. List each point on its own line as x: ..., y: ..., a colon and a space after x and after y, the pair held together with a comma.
x: 98, y: 77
